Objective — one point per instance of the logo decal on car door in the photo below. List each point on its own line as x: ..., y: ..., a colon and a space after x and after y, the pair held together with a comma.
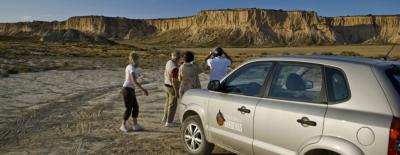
x: 220, y: 118
x: 233, y: 124
x: 230, y: 122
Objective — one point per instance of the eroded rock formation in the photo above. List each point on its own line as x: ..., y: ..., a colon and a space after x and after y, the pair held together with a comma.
x: 231, y: 27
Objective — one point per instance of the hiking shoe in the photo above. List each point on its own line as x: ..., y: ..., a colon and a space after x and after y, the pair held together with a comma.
x: 170, y: 125
x: 137, y: 127
x: 123, y: 128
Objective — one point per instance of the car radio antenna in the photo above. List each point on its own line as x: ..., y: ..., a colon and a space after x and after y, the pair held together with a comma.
x: 388, y: 53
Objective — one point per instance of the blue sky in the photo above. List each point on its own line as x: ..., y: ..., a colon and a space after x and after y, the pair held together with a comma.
x: 48, y: 10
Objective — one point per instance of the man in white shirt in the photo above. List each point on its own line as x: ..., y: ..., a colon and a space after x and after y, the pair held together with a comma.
x: 219, y: 65
x: 171, y: 86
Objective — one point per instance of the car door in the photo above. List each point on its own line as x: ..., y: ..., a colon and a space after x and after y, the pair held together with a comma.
x: 292, y: 113
x: 231, y: 110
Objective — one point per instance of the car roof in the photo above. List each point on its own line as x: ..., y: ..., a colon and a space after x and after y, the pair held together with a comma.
x: 328, y: 59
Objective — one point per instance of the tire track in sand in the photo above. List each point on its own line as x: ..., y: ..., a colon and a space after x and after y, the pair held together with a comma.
x: 31, y: 123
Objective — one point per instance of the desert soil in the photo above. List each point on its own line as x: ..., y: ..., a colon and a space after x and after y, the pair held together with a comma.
x: 79, y: 112
x: 72, y: 105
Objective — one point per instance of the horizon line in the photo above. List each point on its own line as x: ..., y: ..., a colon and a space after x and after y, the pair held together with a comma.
x: 198, y: 12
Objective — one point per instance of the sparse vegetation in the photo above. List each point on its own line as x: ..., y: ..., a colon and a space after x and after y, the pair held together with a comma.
x: 25, y: 56
x: 81, y: 49
x: 323, y: 53
x: 12, y: 71
x: 353, y: 50
x: 18, y: 56
x: 350, y: 53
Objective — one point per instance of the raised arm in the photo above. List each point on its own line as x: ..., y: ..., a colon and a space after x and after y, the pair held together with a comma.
x: 204, y: 64
x: 208, y: 56
x: 228, y: 57
x: 135, y: 82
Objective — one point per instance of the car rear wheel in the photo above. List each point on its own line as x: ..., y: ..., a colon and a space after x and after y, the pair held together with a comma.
x: 193, y: 138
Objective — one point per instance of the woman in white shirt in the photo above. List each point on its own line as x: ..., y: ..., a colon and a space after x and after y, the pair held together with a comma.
x: 128, y: 92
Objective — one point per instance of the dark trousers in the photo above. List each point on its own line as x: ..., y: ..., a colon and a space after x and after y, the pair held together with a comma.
x: 130, y: 101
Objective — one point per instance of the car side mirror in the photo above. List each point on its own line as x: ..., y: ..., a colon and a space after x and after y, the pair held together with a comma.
x: 214, y: 85
x: 308, y: 84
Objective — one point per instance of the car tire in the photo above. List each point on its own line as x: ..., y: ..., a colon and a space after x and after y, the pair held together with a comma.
x: 193, y: 137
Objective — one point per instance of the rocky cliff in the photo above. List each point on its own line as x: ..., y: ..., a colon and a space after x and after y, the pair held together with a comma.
x: 231, y: 27
x: 366, y: 29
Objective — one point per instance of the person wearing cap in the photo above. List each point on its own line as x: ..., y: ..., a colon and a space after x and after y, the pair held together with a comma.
x: 171, y: 86
x: 219, y: 64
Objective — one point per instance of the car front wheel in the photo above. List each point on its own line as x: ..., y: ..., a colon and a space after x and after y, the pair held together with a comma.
x: 193, y: 138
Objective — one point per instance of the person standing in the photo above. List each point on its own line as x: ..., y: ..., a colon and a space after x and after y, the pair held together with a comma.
x: 219, y: 65
x: 171, y: 86
x: 189, y: 73
x: 128, y: 92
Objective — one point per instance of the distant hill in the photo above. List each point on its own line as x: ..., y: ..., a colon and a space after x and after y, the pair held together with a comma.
x: 228, y: 27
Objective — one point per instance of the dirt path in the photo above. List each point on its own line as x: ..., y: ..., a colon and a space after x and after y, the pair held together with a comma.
x: 79, y: 112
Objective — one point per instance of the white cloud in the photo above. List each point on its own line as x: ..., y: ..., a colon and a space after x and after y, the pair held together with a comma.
x: 46, y: 17
x: 26, y: 18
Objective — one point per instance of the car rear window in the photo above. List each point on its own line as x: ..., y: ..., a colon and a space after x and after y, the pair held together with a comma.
x: 394, y: 76
x: 298, y: 82
x: 337, y: 85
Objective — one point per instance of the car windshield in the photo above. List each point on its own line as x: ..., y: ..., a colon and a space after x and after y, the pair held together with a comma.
x: 394, y: 76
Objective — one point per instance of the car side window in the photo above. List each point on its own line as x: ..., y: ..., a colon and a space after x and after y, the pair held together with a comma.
x: 300, y: 82
x: 248, y: 80
x: 337, y: 85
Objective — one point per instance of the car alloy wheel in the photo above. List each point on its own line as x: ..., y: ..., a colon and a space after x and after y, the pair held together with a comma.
x: 193, y: 137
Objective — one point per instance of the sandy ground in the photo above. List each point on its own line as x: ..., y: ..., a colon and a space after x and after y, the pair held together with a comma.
x: 79, y: 112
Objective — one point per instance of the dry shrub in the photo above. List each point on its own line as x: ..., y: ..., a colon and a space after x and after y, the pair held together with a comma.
x: 350, y: 53
x: 12, y: 71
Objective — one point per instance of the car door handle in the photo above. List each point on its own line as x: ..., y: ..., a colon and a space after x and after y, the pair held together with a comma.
x: 304, y: 121
x: 243, y: 110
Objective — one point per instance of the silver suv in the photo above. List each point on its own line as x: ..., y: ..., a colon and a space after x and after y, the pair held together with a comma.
x: 297, y: 105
